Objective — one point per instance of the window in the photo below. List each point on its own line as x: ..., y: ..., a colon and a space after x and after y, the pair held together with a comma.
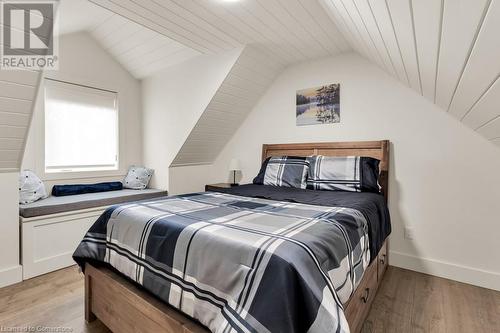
x: 81, y: 128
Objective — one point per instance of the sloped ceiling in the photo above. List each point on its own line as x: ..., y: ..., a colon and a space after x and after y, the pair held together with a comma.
x: 138, y: 49
x: 18, y: 89
x: 17, y: 93
x: 446, y: 50
x: 289, y: 30
x: 250, y: 76
x: 274, y: 34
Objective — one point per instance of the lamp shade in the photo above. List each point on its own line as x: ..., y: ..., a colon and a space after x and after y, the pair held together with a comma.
x: 234, y: 165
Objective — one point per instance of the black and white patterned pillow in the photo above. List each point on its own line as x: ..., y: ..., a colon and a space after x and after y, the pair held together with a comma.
x: 288, y: 171
x: 137, y: 177
x: 350, y: 173
x: 31, y: 188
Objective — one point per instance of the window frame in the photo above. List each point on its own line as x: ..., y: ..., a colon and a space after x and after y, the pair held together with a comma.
x: 78, y: 172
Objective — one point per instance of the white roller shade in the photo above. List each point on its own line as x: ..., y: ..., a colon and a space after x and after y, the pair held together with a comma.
x: 81, y: 128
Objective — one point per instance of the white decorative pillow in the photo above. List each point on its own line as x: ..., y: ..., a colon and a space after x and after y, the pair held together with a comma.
x: 137, y: 177
x: 31, y: 188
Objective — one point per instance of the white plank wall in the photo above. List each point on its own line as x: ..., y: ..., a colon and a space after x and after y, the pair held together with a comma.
x: 289, y: 30
x: 250, y: 76
x: 274, y: 34
x: 18, y: 90
x: 362, y: 47
x: 446, y: 50
x: 17, y: 93
x: 428, y: 17
x: 402, y: 19
x: 491, y: 130
x: 486, y: 110
x: 483, y: 66
x: 316, y: 20
x: 461, y: 22
x: 384, y: 23
x: 361, y: 28
x: 140, y: 50
x: 157, y: 23
x: 364, y: 10
x: 344, y: 28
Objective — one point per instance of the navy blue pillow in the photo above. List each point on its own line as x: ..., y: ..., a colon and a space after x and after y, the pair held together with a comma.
x: 63, y: 190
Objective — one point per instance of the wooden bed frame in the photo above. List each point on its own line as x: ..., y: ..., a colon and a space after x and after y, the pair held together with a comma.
x: 125, y: 307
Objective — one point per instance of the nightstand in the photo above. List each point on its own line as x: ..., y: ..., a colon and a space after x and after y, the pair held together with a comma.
x: 216, y: 187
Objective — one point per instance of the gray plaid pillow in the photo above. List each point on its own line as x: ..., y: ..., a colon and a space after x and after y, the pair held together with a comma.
x: 288, y: 171
x: 350, y: 173
x: 137, y: 177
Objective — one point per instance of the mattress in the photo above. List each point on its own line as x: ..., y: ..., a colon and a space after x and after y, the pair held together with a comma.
x: 243, y: 261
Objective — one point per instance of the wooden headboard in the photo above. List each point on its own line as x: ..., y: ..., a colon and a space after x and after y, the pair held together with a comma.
x: 375, y: 149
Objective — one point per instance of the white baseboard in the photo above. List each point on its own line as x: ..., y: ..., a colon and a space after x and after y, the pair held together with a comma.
x: 11, y: 275
x: 477, y: 277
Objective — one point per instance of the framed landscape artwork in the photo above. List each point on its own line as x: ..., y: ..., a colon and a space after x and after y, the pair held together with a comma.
x: 319, y: 105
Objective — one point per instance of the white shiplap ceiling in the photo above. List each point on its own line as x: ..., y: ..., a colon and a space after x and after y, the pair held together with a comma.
x: 289, y: 30
x: 17, y: 94
x: 446, y: 50
x: 18, y: 89
x: 140, y: 50
x: 274, y: 34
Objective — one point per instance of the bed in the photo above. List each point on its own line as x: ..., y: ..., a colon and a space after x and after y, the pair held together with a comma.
x: 246, y: 259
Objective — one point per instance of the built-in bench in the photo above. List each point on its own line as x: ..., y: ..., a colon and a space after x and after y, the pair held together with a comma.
x: 52, y: 228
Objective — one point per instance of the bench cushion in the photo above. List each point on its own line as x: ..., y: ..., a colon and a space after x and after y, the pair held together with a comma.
x: 53, y: 205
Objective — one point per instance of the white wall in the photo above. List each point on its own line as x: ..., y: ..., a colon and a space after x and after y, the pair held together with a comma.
x: 173, y: 101
x: 83, y: 61
x: 192, y: 178
x: 10, y: 270
x: 444, y: 179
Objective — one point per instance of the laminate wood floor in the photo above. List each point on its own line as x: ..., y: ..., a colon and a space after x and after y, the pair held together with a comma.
x: 406, y: 302
x: 413, y: 302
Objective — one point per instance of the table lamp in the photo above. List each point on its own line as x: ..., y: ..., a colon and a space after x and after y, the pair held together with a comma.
x: 234, y: 166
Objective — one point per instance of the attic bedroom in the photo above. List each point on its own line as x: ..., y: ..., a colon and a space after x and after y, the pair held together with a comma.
x: 249, y: 166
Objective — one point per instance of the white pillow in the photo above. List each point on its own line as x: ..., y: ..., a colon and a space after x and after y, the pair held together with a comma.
x: 31, y: 188
x: 137, y: 177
